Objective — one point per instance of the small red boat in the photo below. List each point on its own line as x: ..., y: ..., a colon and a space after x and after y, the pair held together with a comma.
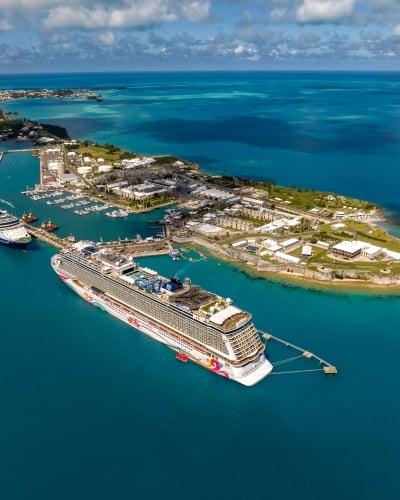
x: 29, y: 217
x: 49, y: 226
x: 182, y: 357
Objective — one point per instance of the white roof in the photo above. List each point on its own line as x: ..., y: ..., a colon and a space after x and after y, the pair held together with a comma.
x: 292, y: 222
x: 350, y: 246
x: 269, y: 242
x: 223, y: 315
x: 289, y: 258
x: 306, y: 250
x: 392, y: 255
x: 290, y: 241
x: 275, y: 248
x: 371, y: 250
x: 239, y: 243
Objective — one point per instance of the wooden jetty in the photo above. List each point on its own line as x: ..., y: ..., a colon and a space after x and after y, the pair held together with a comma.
x: 327, y: 368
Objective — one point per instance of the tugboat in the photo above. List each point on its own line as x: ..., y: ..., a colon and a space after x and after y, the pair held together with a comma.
x: 29, y: 217
x: 49, y: 226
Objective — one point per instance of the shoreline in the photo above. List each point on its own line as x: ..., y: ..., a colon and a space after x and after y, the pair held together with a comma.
x: 294, y: 280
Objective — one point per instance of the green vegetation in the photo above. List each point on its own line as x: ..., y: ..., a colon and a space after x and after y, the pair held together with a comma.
x: 108, y: 152
x: 306, y: 199
x: 12, y: 125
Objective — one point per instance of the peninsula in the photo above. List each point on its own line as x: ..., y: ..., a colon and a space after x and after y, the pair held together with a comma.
x: 304, y: 235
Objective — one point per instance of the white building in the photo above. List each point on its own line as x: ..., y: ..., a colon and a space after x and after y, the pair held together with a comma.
x: 289, y: 244
x: 348, y: 249
x: 287, y: 258
x: 306, y: 251
x: 371, y: 252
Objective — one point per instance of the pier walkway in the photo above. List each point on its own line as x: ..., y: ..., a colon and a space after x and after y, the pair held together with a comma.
x: 50, y: 238
x: 139, y: 249
x: 24, y: 150
x: 327, y: 368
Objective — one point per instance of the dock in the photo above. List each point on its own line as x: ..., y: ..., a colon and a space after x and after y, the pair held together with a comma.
x: 138, y: 249
x: 49, y: 238
x: 24, y: 150
x: 326, y: 367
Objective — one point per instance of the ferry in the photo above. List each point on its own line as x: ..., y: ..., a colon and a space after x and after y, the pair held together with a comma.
x: 13, y: 233
x: 207, y: 328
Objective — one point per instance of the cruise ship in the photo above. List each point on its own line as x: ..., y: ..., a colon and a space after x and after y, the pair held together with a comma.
x: 199, y: 325
x: 12, y: 231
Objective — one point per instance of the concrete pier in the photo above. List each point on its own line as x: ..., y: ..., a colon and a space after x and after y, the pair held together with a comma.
x: 139, y: 249
x: 50, y: 238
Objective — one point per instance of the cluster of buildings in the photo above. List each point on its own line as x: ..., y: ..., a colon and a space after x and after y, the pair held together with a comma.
x: 141, y: 191
x: 349, y: 250
x: 277, y: 250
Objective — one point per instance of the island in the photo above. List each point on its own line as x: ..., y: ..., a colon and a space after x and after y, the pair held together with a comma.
x: 304, y: 236
x: 12, y: 94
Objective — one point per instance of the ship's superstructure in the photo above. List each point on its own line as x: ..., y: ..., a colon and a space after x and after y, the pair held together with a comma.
x: 208, y: 329
x: 12, y: 231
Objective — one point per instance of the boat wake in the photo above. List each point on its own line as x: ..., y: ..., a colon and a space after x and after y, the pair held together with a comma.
x: 7, y: 203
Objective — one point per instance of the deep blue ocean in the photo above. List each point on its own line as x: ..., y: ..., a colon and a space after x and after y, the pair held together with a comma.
x: 90, y: 409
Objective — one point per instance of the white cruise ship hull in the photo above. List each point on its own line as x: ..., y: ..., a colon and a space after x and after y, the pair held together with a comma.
x: 248, y: 375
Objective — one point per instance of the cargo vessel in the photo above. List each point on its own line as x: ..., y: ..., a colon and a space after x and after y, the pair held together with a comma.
x: 13, y: 233
x: 200, y: 325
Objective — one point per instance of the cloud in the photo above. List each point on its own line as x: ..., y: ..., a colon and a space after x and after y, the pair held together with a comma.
x: 276, y: 15
x: 322, y: 11
x: 196, y: 11
x: 5, y: 25
x: 108, y: 39
x: 35, y: 4
x: 396, y: 30
x: 131, y: 14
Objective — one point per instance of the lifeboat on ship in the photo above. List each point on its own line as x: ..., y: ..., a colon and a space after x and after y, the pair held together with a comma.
x: 181, y: 356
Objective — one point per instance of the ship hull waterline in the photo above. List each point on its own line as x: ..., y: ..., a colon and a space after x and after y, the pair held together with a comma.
x: 21, y: 245
x: 164, y: 335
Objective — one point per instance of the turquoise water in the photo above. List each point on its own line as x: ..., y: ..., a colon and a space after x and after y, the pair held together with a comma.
x: 92, y: 410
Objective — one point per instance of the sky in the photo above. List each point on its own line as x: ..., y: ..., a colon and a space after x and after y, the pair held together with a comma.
x: 147, y: 35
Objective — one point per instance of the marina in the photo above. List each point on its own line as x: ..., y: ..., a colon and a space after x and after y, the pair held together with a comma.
x: 57, y: 198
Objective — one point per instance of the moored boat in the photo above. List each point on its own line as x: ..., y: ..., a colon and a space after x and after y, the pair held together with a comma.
x: 198, y: 324
x: 181, y: 356
x: 49, y: 226
x: 13, y: 233
x: 29, y: 217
